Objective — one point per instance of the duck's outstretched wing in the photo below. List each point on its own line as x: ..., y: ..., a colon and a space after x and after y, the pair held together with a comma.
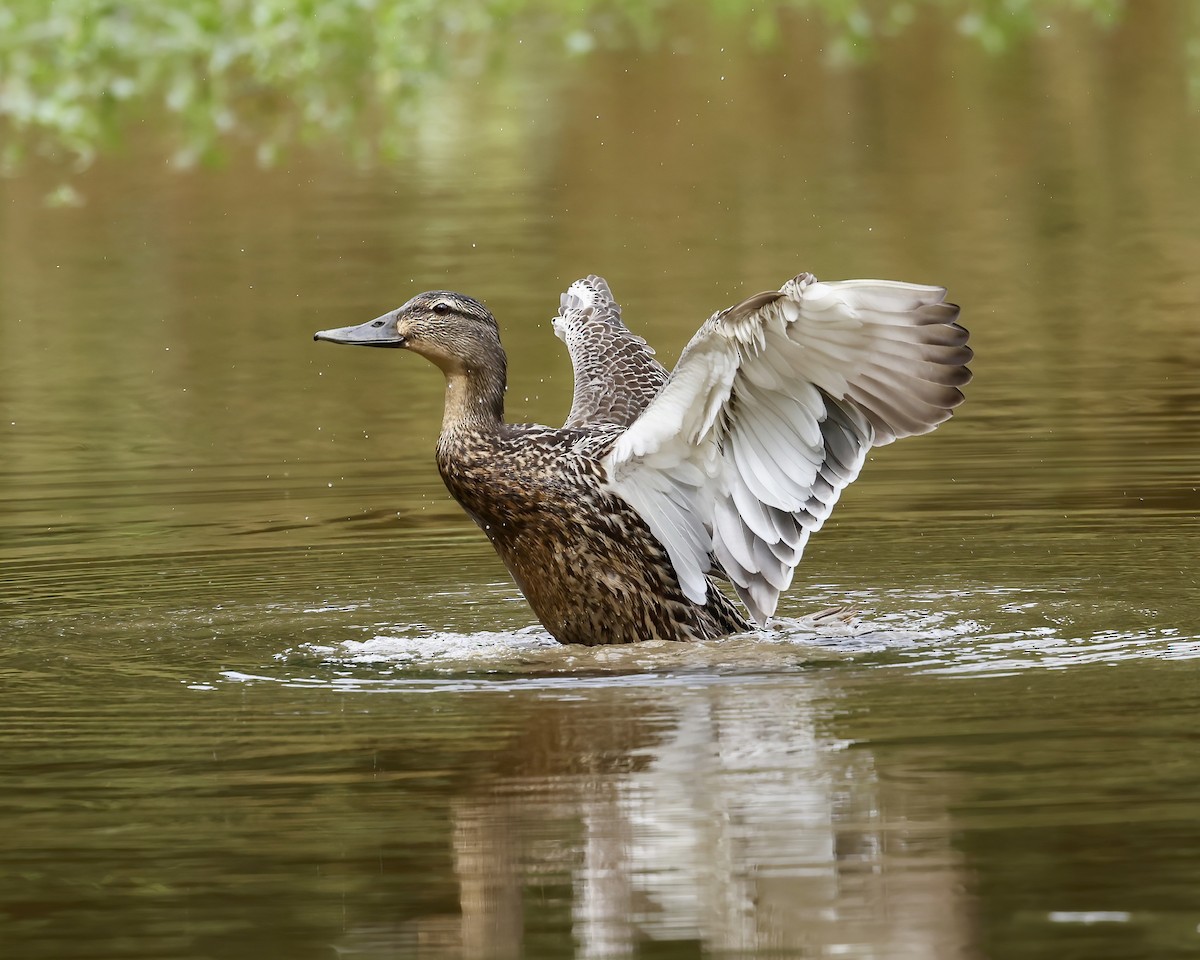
x: 769, y: 414
x: 616, y: 375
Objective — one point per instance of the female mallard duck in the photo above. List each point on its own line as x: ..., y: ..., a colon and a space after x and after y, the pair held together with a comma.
x: 615, y: 524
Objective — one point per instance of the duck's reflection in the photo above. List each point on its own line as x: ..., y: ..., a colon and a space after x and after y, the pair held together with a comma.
x: 722, y: 820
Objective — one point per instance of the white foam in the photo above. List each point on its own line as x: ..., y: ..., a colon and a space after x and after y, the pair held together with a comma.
x: 441, y: 646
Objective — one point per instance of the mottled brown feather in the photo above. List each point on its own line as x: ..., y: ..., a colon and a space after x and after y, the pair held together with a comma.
x: 616, y: 374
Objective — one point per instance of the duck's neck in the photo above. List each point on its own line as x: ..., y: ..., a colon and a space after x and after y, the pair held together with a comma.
x: 475, y: 398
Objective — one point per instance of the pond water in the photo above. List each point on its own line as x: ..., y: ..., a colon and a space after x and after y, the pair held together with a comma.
x: 267, y: 692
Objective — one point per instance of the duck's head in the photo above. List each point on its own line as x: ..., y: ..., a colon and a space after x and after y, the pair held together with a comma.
x: 456, y: 332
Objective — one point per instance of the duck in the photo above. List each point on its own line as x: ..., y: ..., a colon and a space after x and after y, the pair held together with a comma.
x: 621, y: 525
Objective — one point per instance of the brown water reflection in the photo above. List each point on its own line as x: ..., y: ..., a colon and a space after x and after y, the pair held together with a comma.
x: 736, y: 826
x: 793, y: 814
x: 267, y: 692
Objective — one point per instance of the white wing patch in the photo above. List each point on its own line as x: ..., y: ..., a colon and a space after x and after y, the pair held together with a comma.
x: 769, y: 415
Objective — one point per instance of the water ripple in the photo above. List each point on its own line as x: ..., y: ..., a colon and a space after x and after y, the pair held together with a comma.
x: 930, y: 637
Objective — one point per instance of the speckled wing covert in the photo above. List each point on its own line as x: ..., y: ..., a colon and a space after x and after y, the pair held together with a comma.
x: 769, y: 415
x: 616, y: 374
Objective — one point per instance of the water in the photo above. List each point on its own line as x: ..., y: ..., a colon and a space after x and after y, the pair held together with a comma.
x: 268, y: 692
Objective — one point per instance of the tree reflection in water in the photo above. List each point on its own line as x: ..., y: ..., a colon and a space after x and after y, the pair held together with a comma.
x: 75, y: 74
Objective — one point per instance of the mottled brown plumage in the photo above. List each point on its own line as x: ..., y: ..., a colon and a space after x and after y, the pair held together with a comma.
x: 616, y: 374
x: 588, y: 565
x: 614, y: 525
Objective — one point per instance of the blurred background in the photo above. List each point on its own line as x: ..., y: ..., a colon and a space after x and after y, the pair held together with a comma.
x: 268, y: 692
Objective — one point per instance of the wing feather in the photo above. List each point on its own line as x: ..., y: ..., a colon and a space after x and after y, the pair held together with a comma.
x: 742, y: 453
x: 616, y: 374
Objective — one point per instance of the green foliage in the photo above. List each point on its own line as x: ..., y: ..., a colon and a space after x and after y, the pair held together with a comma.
x: 75, y: 73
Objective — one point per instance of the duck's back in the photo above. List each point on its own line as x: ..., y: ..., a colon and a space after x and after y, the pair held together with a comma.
x: 588, y: 564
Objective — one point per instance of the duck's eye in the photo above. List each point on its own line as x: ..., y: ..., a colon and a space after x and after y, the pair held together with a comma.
x: 441, y: 308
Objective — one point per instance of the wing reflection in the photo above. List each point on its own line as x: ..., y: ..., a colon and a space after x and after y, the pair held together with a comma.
x: 724, y: 820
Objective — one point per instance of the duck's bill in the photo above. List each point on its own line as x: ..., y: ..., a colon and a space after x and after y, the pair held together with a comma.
x: 380, y: 332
